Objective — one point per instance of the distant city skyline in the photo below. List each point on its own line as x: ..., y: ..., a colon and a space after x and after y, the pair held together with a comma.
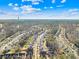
x: 39, y: 9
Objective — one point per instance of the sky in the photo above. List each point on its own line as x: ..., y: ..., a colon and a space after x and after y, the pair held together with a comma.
x: 39, y: 9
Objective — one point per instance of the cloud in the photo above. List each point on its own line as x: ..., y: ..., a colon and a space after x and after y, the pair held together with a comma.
x: 40, y: 15
x: 32, y: 0
x: 24, y: 0
x: 73, y: 10
x: 5, y: 13
x: 26, y: 12
x: 10, y: 4
x: 44, y: 16
x: 53, y: 1
x: 51, y: 7
x: 48, y: 7
x: 70, y: 13
x: 29, y: 9
x: 35, y: 3
x: 45, y: 7
x: 63, y: 1
x: 25, y: 7
x: 16, y: 4
x: 16, y: 8
x: 8, y: 15
x: 74, y: 13
x: 2, y: 12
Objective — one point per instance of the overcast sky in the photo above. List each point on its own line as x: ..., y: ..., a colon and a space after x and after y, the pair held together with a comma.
x: 39, y: 9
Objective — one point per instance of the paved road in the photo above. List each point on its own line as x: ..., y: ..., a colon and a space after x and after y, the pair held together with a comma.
x: 14, y: 41
x: 37, y: 47
x: 63, y: 41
